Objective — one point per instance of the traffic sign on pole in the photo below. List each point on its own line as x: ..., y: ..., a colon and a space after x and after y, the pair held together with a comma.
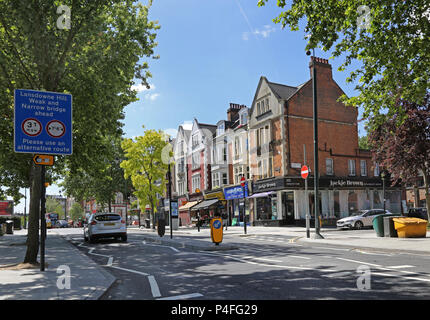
x: 304, y: 172
x: 43, y: 160
x: 242, y: 182
x: 43, y: 122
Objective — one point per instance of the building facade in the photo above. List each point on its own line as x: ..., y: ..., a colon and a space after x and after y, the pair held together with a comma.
x: 281, y: 132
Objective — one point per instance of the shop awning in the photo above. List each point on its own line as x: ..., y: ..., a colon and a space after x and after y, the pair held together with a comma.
x: 205, y: 204
x: 188, y: 205
x: 262, y: 194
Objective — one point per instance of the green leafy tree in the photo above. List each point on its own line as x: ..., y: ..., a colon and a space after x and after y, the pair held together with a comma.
x: 76, y: 212
x: 145, y: 164
x: 363, y: 143
x: 52, y: 205
x: 97, y: 60
x: 388, y: 38
x: 404, y: 150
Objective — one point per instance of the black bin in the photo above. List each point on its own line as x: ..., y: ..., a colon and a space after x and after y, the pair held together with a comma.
x: 389, y: 230
x: 9, y: 227
x: 148, y: 223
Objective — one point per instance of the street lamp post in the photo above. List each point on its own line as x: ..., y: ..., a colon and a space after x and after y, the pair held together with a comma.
x: 315, y: 124
x: 383, y: 175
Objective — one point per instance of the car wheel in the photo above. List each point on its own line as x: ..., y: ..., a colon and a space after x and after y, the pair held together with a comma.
x: 124, y: 238
x: 359, y: 225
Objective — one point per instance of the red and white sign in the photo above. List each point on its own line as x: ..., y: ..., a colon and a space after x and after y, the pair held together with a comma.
x: 242, y: 182
x: 31, y: 127
x: 304, y: 172
x: 56, y: 128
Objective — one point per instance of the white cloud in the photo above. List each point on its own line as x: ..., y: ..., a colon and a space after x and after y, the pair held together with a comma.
x: 152, y: 96
x: 140, y: 87
x: 263, y: 32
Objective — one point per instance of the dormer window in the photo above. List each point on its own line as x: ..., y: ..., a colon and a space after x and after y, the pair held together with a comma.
x: 263, y: 106
x: 243, y: 119
x: 221, y: 129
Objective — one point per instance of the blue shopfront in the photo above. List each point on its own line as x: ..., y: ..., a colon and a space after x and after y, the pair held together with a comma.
x: 237, y: 203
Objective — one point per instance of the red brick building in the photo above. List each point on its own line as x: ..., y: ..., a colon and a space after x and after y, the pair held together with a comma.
x: 281, y: 127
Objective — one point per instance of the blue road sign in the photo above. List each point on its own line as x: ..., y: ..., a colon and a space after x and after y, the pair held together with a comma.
x: 217, y: 224
x: 43, y: 122
x: 174, y: 206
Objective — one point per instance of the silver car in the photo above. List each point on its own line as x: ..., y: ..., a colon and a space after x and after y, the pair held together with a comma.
x: 105, y: 225
x: 360, y: 219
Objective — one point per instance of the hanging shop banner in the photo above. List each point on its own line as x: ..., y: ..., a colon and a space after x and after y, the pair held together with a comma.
x: 235, y: 192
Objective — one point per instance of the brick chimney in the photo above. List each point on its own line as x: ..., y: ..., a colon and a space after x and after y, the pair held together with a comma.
x: 233, y: 111
x: 323, y: 68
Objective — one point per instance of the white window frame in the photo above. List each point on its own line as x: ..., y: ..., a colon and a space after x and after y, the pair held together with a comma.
x: 327, y: 166
x: 376, y: 171
x: 351, y: 167
x: 363, y: 168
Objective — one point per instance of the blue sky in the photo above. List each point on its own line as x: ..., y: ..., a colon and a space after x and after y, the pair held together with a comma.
x: 213, y: 52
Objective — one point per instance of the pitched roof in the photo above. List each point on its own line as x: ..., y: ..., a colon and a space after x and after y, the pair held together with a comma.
x: 282, y: 91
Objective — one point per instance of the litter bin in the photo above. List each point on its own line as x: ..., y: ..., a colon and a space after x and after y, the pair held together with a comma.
x: 410, y: 227
x: 148, y: 223
x: 9, y: 227
x: 17, y: 224
x: 378, y: 223
x: 389, y: 230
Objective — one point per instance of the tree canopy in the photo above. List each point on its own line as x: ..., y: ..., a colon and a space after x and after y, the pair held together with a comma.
x: 145, y: 164
x: 97, y: 60
x: 388, y: 38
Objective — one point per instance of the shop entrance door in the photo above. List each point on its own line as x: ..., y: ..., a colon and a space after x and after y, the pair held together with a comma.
x: 288, y: 207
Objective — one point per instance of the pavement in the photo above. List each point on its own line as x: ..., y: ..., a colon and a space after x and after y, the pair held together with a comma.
x: 88, y: 281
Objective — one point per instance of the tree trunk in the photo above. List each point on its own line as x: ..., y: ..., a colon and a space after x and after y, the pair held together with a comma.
x: 34, y: 215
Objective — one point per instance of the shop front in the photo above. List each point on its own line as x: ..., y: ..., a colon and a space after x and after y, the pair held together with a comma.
x: 237, y: 203
x: 184, y: 213
x: 284, y: 201
x: 213, y: 204
x: 273, y: 202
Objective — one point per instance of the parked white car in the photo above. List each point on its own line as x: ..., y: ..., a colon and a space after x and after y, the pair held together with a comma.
x: 360, y: 219
x: 105, y: 225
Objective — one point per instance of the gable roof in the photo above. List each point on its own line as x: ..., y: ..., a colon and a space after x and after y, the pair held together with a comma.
x: 282, y: 91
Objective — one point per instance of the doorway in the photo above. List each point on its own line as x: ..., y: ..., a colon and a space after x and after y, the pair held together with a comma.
x: 288, y: 208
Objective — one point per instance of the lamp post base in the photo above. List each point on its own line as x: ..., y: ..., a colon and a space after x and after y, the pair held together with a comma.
x: 317, y: 236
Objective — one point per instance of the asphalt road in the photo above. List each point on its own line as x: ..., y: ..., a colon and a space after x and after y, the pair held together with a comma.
x: 268, y: 267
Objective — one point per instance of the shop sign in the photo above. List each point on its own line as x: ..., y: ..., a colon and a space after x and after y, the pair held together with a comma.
x: 235, y: 192
x: 270, y: 185
x: 215, y: 195
x: 351, y: 183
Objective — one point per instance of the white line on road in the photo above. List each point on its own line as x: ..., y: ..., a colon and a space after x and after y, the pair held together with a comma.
x: 360, y: 262
x: 154, y: 287
x: 400, y: 267
x: 110, y: 261
x: 129, y: 270
x: 182, y: 297
x: 298, y: 257
x: 160, y: 245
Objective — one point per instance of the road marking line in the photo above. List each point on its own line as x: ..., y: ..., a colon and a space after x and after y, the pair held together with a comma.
x: 129, y: 270
x: 110, y: 261
x: 160, y: 245
x: 154, y: 287
x: 360, y: 262
x: 329, y: 248
x: 338, y: 275
x: 183, y: 296
x: 299, y: 257
x: 262, y: 259
x: 393, y: 275
x: 400, y: 267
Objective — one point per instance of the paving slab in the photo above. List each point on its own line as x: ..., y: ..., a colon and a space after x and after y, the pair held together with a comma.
x: 88, y: 281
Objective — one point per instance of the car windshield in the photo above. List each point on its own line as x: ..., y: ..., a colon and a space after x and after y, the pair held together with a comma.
x: 107, y: 217
x: 358, y: 213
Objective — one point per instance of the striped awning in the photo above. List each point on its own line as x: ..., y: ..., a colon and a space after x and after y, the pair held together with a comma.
x: 188, y: 205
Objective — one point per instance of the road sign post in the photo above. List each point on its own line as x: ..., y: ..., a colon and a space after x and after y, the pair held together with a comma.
x: 242, y: 183
x: 42, y: 124
x: 216, y: 230
x: 305, y: 171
